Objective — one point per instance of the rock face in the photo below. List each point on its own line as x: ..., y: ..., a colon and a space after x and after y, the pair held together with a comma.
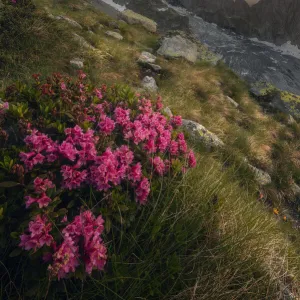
x: 274, y: 100
x: 131, y: 17
x: 200, y: 134
x: 273, y: 20
x: 178, y: 46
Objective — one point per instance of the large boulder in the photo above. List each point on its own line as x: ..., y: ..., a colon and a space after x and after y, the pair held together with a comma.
x: 131, y: 17
x: 200, y: 134
x: 177, y: 46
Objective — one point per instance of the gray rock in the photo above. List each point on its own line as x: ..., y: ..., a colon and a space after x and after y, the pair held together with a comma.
x: 149, y: 84
x: 178, y: 46
x: 235, y: 104
x: 168, y: 112
x: 131, y: 17
x: 82, y: 42
x: 114, y: 34
x: 200, y: 134
x: 262, y: 177
x: 77, y: 63
x: 155, y: 68
x: 70, y: 21
x: 147, y: 57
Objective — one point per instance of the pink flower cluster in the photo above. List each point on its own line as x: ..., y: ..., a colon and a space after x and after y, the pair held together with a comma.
x: 81, y: 164
x: 38, y: 235
x: 43, y: 149
x: 67, y: 256
x: 40, y: 188
x: 127, y: 145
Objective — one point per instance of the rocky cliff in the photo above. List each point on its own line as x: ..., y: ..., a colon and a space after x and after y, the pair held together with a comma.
x: 273, y: 20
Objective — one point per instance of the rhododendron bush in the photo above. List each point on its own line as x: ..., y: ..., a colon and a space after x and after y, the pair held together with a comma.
x: 89, y: 161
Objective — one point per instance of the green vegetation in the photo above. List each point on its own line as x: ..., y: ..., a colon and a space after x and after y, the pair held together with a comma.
x: 212, y: 235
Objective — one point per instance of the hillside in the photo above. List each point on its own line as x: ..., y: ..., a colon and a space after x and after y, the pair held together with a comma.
x: 225, y: 229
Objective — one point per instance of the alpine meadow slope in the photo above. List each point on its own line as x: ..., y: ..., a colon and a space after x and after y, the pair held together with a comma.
x: 101, y: 197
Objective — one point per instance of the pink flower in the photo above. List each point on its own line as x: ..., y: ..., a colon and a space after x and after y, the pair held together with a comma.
x: 43, y: 200
x: 64, y: 219
x: 106, y: 171
x: 81, y: 75
x: 98, y: 94
x: 164, y: 140
x: 65, y: 259
x: 150, y: 146
x: 68, y: 150
x: 176, y: 121
x: 159, y: 165
x: 135, y: 173
x: 192, y: 159
x: 63, y: 86
x: 42, y: 185
x: 142, y: 191
x: 182, y: 143
x: 107, y: 125
x: 72, y: 177
x: 122, y: 116
x: 38, y: 159
x: 174, y: 147
x: 38, y: 235
x: 159, y: 104
x: 125, y: 155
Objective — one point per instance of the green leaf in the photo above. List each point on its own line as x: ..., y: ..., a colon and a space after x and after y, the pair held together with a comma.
x: 8, y: 184
x: 107, y: 225
x: 62, y: 211
x: 71, y: 204
x: 15, y: 252
x: 15, y: 235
